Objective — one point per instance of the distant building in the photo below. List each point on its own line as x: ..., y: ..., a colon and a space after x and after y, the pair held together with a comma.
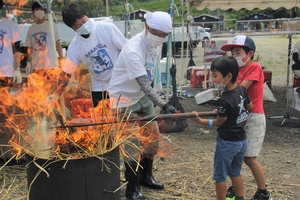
x: 256, y: 16
x: 138, y: 14
x: 207, y: 21
x: 255, y: 22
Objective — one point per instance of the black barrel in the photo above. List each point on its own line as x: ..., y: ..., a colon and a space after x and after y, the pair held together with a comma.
x: 81, y: 179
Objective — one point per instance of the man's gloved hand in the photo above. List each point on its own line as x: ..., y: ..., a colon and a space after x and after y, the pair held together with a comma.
x: 52, y: 99
x: 17, y: 78
x: 28, y: 68
x: 169, y: 109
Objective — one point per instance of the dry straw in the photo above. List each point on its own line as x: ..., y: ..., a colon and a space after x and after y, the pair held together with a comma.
x: 32, y: 124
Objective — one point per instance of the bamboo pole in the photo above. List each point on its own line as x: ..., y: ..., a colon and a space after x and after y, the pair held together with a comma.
x: 147, y: 118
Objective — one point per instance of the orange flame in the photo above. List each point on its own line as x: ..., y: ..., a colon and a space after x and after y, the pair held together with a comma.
x: 33, y: 123
x: 19, y: 3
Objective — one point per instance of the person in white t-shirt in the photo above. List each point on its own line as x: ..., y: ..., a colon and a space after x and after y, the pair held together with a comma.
x: 97, y: 44
x: 130, y: 87
x: 40, y: 51
x: 10, y: 51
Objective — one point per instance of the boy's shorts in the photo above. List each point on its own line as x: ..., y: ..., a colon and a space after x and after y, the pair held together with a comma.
x: 229, y: 157
x: 255, y: 130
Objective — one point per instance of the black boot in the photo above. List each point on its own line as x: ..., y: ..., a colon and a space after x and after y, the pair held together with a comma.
x: 132, y: 189
x: 146, y: 177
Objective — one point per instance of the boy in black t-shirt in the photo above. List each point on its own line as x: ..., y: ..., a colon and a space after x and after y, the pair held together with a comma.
x: 232, y: 114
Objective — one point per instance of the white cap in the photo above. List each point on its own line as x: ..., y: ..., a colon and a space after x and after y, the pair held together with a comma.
x: 159, y: 20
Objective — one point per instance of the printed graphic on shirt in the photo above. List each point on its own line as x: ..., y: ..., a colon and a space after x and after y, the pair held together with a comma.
x: 1, y: 42
x: 243, y: 112
x: 221, y: 109
x: 102, y: 61
x: 40, y: 42
x: 150, y: 63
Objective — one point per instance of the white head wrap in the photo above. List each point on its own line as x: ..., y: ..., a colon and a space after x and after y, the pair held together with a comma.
x: 159, y: 20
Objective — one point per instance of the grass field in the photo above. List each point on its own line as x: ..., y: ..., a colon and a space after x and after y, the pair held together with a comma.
x: 271, y: 51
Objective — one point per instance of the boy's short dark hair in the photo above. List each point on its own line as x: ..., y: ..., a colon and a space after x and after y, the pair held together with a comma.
x: 226, y: 65
x: 71, y: 13
x: 247, y: 50
x: 1, y: 4
x: 36, y: 5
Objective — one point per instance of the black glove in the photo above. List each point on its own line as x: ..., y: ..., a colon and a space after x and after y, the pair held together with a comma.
x: 169, y: 109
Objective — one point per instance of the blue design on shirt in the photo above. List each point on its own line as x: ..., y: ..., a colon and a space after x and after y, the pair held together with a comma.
x: 40, y: 42
x: 102, y: 62
x: 1, y: 42
x: 150, y: 69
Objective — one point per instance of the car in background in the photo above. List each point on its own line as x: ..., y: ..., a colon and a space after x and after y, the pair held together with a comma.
x: 204, y: 33
x: 207, y: 30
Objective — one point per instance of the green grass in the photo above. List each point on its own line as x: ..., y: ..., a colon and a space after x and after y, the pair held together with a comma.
x: 272, y: 51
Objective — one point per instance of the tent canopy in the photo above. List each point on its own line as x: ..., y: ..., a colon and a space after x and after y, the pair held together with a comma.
x: 247, y: 4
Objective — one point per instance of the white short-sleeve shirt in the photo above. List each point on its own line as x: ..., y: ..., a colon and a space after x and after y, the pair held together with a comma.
x: 99, y: 52
x: 133, y: 62
x: 39, y: 38
x: 9, y: 34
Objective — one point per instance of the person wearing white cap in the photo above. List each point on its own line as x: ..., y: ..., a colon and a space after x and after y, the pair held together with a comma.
x: 131, y: 80
x: 251, y: 77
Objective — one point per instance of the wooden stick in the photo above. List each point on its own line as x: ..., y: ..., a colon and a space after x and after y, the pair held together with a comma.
x: 147, y: 118
x: 176, y: 115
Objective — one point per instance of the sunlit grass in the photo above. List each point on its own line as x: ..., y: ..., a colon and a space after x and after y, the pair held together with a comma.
x: 271, y: 51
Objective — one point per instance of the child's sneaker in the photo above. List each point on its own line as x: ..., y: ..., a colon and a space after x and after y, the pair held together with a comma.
x: 229, y: 198
x: 230, y: 192
x: 260, y: 196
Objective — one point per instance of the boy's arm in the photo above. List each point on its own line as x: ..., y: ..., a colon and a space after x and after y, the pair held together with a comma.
x: 246, y: 84
x: 17, y: 54
x: 29, y: 54
x: 250, y: 105
x: 209, y: 122
x: 59, y: 49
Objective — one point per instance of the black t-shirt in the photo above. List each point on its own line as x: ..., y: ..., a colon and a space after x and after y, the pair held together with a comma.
x: 233, y: 105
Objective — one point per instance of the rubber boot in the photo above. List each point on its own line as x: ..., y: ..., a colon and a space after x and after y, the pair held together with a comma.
x: 132, y: 189
x: 146, y: 177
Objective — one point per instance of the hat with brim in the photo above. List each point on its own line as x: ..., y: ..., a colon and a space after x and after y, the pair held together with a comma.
x: 239, y: 41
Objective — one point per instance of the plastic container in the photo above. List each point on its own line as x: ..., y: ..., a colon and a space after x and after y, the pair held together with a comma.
x: 205, y: 96
x: 296, y: 81
x: 164, y: 79
x: 198, y: 75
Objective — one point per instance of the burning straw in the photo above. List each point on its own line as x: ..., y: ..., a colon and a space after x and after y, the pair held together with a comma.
x: 30, y: 121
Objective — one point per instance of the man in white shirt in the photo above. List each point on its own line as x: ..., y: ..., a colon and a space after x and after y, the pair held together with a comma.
x: 10, y: 51
x: 97, y: 44
x: 130, y: 89
x: 40, y: 51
